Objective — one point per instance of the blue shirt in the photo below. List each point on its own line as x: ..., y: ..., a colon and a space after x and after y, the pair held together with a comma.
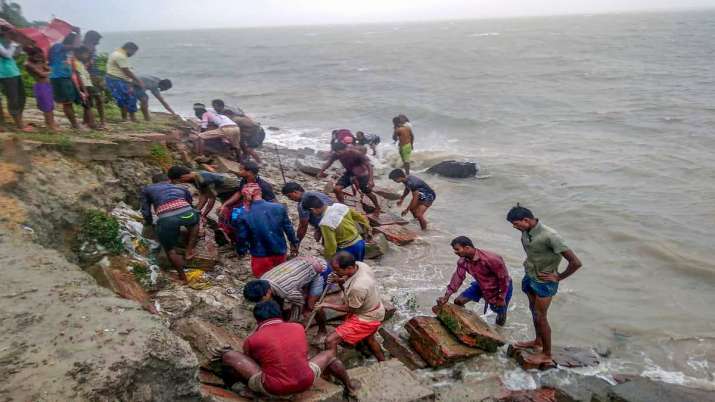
x: 159, y: 194
x: 59, y: 62
x: 263, y: 229
x: 304, y: 213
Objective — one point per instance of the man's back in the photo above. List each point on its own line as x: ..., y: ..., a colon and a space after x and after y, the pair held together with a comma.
x: 263, y: 227
x: 354, y: 162
x: 281, y: 349
x: 404, y: 135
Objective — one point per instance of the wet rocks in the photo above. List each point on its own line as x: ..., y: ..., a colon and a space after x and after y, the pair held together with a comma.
x: 400, y: 350
x: 217, y: 394
x: 386, y: 218
x: 387, y: 193
x: 642, y: 389
x: 309, y: 169
x: 435, y: 344
x: 571, y: 357
x: 206, y: 252
x: 205, y: 337
x: 454, y: 169
x: 226, y: 165
x: 377, y: 247
x: 389, y: 381
x: 469, y: 328
x: 397, y: 234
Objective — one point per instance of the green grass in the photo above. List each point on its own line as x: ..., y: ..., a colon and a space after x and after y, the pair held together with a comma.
x: 100, y: 227
x: 161, y: 156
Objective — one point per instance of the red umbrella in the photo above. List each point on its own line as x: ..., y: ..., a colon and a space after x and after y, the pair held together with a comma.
x: 46, y: 36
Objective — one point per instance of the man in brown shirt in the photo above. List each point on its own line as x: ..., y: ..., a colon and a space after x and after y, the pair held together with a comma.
x: 361, y: 301
x: 358, y: 170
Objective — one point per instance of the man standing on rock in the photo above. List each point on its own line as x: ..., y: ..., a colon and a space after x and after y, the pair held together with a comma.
x: 296, y: 285
x: 358, y: 171
x: 172, y: 205
x: 275, y: 362
x: 121, y: 80
x: 403, y: 134
x: 340, y: 227
x: 361, y: 301
x: 544, y: 248
x: 295, y: 192
x: 491, y: 279
x: 261, y: 227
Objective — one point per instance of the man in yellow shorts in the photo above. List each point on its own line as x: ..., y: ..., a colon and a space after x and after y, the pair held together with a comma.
x: 403, y: 134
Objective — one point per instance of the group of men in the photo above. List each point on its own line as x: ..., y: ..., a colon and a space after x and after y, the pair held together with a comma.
x: 68, y: 73
x: 288, y: 287
x: 232, y: 125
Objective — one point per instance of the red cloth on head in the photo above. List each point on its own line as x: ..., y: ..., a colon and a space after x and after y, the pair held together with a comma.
x: 281, y: 350
x: 261, y: 265
x: 353, y: 329
x: 251, y: 192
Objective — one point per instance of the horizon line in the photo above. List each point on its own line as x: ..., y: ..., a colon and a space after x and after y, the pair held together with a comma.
x: 669, y: 10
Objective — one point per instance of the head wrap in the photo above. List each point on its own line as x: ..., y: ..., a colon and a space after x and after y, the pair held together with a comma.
x: 251, y: 192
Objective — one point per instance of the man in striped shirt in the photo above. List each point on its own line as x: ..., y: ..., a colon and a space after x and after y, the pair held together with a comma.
x: 286, y: 282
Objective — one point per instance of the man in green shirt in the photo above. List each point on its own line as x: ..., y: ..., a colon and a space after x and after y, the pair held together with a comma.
x: 544, y: 248
x: 340, y: 227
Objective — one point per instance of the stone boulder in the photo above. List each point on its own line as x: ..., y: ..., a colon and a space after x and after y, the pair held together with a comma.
x: 454, y: 169
x: 569, y: 356
x: 435, y: 343
x: 67, y: 339
x: 469, y: 328
x: 377, y: 247
x: 646, y: 390
x: 226, y: 165
x: 386, y: 218
x: 206, y: 252
x: 389, y: 381
x: 203, y: 337
x: 309, y: 169
x: 397, y: 234
x: 576, y: 387
x: 387, y: 193
x: 400, y: 350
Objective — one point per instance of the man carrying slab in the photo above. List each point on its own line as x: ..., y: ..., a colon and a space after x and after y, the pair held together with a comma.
x: 491, y: 279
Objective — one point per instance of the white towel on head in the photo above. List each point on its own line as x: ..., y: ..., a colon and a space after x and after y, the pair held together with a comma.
x: 333, y: 215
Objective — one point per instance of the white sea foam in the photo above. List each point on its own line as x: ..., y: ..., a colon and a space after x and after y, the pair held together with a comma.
x: 475, y: 35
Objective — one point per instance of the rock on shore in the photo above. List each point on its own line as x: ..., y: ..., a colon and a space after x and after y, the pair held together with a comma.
x: 64, y: 338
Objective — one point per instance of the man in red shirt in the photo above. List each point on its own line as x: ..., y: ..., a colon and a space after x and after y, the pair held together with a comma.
x: 275, y: 360
x: 491, y: 279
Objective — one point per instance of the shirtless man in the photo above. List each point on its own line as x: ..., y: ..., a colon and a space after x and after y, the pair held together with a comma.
x: 544, y: 249
x: 403, y: 134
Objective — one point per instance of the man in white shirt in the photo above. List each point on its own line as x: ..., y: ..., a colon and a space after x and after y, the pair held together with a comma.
x: 225, y: 128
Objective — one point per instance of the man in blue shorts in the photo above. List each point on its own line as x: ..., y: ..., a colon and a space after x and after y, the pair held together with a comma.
x: 422, y: 195
x: 491, y: 279
x: 544, y: 248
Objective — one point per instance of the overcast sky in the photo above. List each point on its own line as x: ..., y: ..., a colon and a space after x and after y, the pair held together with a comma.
x: 130, y: 15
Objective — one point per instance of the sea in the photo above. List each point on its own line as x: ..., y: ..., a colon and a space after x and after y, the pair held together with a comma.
x: 603, y: 125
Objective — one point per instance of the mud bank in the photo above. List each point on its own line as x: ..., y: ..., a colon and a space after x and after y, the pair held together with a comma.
x: 66, y: 338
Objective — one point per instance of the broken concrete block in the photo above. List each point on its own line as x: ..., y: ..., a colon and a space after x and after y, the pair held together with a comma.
x: 435, y: 343
x: 531, y: 395
x: 226, y: 165
x: 489, y: 389
x: 218, y: 394
x: 571, y: 357
x: 389, y: 381
x: 387, y: 193
x: 469, y: 328
x: 306, y: 168
x: 377, y: 247
x: 205, y: 337
x: 397, y: 234
x: 206, y: 252
x: 400, y: 350
x: 321, y: 391
x: 386, y: 218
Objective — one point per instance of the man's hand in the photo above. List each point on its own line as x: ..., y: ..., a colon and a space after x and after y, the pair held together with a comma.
x: 293, y: 251
x: 405, y: 212
x: 140, y: 84
x: 552, y: 277
x: 333, y: 278
x: 441, y: 301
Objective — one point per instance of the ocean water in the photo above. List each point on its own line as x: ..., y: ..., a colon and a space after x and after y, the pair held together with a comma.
x: 603, y: 125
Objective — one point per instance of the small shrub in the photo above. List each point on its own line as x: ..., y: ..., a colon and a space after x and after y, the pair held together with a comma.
x: 161, y: 156
x: 98, y: 226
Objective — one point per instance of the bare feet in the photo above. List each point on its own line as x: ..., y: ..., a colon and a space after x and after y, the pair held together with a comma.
x: 351, y: 391
x: 535, y: 344
x: 539, y: 358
